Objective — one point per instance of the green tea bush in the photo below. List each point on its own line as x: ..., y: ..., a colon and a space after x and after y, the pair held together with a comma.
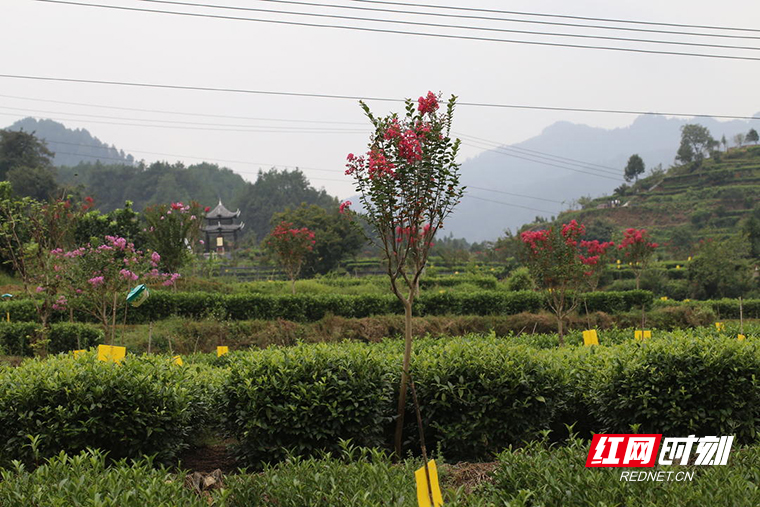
x: 87, y: 479
x: 306, y: 398
x: 479, y: 395
x: 681, y: 385
x: 146, y: 405
x: 16, y: 337
x: 556, y: 475
x: 312, y: 307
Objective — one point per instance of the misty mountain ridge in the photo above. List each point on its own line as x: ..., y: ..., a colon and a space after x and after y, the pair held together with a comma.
x: 72, y: 146
x: 530, y: 168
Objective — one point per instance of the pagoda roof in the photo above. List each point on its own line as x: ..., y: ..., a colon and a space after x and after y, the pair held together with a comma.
x: 223, y: 227
x: 221, y: 212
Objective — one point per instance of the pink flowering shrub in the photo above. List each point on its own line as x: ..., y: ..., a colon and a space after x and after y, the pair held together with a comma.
x: 290, y: 246
x: 98, y: 278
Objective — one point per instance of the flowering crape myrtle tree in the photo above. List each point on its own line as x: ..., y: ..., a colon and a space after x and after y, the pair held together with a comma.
x: 29, y: 230
x: 408, y: 182
x: 99, y: 277
x: 172, y: 231
x: 637, y: 250
x: 290, y: 246
x: 556, y: 264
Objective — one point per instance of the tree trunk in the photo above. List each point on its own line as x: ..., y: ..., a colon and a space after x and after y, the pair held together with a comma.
x: 560, y: 330
x: 404, y: 377
x: 293, y: 286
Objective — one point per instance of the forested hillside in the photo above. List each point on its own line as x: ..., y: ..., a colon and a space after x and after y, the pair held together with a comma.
x: 72, y: 146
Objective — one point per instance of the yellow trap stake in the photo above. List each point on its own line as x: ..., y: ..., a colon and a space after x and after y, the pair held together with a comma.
x: 590, y: 337
x: 425, y: 490
x: 111, y: 353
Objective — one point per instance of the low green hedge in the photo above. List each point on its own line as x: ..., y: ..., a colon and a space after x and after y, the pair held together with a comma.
x: 533, y: 475
x: 542, y: 475
x: 311, y: 307
x: 479, y: 395
x: 146, y: 405
x: 16, y: 337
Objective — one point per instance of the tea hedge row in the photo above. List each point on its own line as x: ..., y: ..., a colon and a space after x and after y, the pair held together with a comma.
x: 16, y: 337
x: 146, y: 405
x: 478, y: 396
x: 533, y: 475
x: 312, y: 307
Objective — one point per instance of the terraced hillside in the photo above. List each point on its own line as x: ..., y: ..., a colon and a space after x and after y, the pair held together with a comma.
x: 684, y: 204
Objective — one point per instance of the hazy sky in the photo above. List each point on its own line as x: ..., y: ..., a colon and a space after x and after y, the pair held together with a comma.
x: 67, y: 41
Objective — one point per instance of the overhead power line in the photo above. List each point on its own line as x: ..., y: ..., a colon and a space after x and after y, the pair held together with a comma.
x: 366, y: 98
x: 513, y: 194
x: 540, y: 157
x: 460, y: 15
x: 183, y: 113
x: 402, y: 32
x: 266, y: 128
x: 182, y: 127
x: 590, y: 172
x: 510, y: 204
x: 562, y: 16
x: 435, y: 25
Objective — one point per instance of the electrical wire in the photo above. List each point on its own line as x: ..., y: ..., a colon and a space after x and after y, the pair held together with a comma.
x: 563, y: 16
x: 439, y: 25
x: 163, y: 111
x: 365, y: 98
x: 402, y: 32
x: 509, y: 20
x: 510, y: 204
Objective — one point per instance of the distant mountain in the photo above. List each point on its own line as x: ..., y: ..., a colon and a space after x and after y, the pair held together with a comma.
x: 72, y: 146
x: 562, y: 164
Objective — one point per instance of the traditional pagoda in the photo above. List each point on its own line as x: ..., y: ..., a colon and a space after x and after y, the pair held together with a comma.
x: 221, y: 229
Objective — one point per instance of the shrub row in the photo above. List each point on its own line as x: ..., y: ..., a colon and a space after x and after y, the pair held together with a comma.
x: 146, y: 405
x: 16, y: 337
x: 533, y: 475
x: 312, y: 307
x: 480, y: 395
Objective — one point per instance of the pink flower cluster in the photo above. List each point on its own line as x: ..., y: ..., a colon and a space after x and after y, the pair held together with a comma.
x: 343, y: 206
x: 155, y: 258
x: 60, y: 303
x: 535, y: 239
x: 428, y: 104
x: 379, y: 165
x: 178, y: 206
x: 636, y: 237
x: 96, y: 281
x: 572, y: 232
x: 128, y: 275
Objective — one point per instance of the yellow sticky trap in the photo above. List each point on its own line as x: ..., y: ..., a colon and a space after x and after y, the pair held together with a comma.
x: 639, y: 335
x: 720, y: 326
x: 423, y: 489
x: 221, y: 350
x: 111, y: 353
x: 678, y: 266
x: 177, y: 360
x: 78, y: 353
x: 740, y: 337
x: 590, y: 337
x: 664, y: 298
